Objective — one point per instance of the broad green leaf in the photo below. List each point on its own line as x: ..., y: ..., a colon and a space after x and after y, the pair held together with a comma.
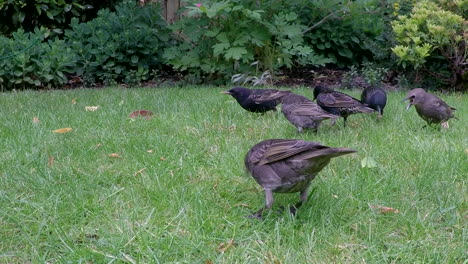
x: 220, y: 47
x: 368, y: 162
x: 345, y: 52
x: 235, y: 53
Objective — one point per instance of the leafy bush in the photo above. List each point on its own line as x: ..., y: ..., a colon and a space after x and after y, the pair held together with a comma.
x: 122, y: 46
x: 369, y: 74
x: 222, y: 38
x: 429, y: 33
x: 28, y: 61
x: 349, y: 35
x: 52, y: 14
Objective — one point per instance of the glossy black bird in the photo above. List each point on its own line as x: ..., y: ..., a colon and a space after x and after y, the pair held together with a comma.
x: 375, y: 97
x: 430, y: 107
x: 257, y: 100
x: 288, y: 166
x: 303, y: 113
x: 339, y: 103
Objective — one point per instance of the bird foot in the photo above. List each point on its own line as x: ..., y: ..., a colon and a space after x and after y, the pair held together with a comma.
x: 293, y: 210
x: 254, y: 216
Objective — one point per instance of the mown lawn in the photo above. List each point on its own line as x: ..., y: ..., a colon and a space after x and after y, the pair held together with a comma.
x: 177, y: 192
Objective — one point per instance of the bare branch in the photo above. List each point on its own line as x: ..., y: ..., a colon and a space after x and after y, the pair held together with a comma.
x: 321, y: 21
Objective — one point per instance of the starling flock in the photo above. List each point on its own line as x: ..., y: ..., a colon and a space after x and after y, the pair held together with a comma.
x: 289, y: 165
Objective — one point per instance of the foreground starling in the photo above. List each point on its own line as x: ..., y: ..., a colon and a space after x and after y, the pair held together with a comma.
x: 339, y: 103
x: 288, y: 166
x: 303, y: 113
x: 429, y: 107
x: 375, y: 98
x: 257, y: 100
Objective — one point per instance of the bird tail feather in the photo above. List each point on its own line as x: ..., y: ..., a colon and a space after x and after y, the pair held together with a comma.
x: 328, y: 152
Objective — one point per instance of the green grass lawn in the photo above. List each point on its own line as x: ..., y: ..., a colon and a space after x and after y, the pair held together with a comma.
x: 178, y: 191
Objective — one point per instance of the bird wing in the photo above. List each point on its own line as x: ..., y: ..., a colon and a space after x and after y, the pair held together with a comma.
x: 310, y: 109
x: 337, y: 99
x: 282, y: 149
x: 260, y: 96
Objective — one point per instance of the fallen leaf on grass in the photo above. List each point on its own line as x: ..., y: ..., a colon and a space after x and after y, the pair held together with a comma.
x: 368, y: 162
x: 241, y: 205
x: 466, y: 151
x: 208, y: 261
x: 225, y: 246
x: 141, y: 113
x: 149, y: 151
x: 114, y: 155
x: 384, y: 209
x: 139, y: 172
x: 91, y: 108
x: 162, y: 158
x: 63, y: 130
x: 50, y: 163
x: 36, y: 120
x: 73, y: 101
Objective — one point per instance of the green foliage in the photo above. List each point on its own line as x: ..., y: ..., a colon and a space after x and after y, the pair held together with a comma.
x: 428, y: 32
x: 122, y: 46
x: 222, y: 38
x: 348, y: 37
x: 27, y: 60
x: 368, y: 74
x: 53, y: 14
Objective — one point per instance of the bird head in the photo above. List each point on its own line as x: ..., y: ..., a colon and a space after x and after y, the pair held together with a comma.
x: 319, y: 89
x: 415, y: 97
x: 237, y: 92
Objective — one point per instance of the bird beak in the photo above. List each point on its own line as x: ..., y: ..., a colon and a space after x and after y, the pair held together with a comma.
x: 225, y: 92
x: 410, y: 103
x: 408, y: 106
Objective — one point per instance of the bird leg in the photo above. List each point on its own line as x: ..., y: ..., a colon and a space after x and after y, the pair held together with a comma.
x: 303, y: 198
x: 344, y: 118
x: 268, y: 204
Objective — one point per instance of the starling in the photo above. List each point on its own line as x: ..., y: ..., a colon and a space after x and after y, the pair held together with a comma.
x: 288, y: 166
x: 429, y: 107
x: 303, y: 113
x: 375, y: 98
x: 257, y: 100
x: 339, y: 103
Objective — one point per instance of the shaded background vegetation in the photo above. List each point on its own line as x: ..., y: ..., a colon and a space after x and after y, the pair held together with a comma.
x: 398, y: 42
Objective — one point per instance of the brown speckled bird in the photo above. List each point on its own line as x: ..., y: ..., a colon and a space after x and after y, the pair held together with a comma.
x: 429, y: 107
x: 339, y: 103
x: 257, y: 100
x: 288, y: 166
x: 303, y: 113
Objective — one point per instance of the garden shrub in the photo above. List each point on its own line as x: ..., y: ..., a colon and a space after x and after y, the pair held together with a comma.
x: 121, y: 46
x: 223, y: 38
x: 29, y: 60
x: 433, y: 40
x: 351, y: 34
x: 53, y: 14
